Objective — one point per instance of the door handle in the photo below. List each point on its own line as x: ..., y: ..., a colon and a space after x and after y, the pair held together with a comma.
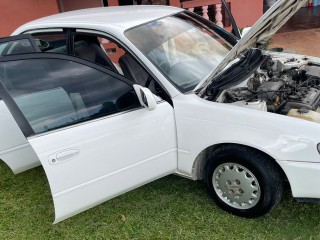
x: 63, y: 156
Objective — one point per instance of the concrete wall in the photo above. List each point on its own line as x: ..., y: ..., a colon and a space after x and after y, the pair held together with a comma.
x: 69, y: 5
x: 246, y: 12
x: 15, y: 13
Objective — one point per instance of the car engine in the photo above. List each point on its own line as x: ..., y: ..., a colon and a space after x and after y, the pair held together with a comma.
x: 287, y: 86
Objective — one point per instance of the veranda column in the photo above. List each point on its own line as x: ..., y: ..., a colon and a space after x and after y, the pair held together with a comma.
x: 175, y: 3
x: 218, y: 15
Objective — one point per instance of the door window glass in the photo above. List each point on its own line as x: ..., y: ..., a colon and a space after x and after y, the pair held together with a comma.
x: 51, y: 42
x: 91, y: 48
x: 53, y: 93
x: 108, y: 53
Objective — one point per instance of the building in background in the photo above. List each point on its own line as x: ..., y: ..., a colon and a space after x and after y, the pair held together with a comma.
x: 15, y: 13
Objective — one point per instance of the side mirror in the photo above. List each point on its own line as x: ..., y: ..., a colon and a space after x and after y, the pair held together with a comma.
x: 146, y: 97
x: 245, y: 31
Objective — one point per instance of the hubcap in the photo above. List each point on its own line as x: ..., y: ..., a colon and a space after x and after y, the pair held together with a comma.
x: 236, y: 186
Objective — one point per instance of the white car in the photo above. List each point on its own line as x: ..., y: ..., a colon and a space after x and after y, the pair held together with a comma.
x: 109, y: 99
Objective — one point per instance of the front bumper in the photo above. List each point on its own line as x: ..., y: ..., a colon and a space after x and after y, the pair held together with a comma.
x: 304, y: 178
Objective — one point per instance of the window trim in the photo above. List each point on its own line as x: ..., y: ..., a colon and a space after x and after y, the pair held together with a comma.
x: 15, y: 110
x: 43, y: 30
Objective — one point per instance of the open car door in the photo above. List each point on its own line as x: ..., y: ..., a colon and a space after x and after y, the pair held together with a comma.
x: 86, y: 125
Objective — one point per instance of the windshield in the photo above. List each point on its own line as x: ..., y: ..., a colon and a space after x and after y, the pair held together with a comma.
x: 182, y: 48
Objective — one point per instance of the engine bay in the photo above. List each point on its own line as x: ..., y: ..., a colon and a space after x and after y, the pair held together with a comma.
x: 287, y: 86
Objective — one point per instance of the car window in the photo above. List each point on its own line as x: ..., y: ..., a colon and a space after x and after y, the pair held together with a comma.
x: 181, y: 48
x: 108, y: 53
x: 51, y: 42
x: 103, y: 51
x: 16, y: 47
x: 114, y: 51
x: 95, y: 49
x: 54, y: 93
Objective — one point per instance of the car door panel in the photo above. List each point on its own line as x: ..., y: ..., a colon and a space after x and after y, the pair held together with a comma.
x: 114, y: 156
x: 88, y: 157
x: 113, y: 139
x: 71, y: 202
x: 15, y: 151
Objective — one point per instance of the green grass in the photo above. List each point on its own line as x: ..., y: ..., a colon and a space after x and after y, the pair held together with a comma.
x: 170, y: 208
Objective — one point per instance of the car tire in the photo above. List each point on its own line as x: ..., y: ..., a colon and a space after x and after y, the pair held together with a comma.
x: 243, y: 181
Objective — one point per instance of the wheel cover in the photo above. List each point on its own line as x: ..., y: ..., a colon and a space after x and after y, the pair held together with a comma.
x: 236, y: 186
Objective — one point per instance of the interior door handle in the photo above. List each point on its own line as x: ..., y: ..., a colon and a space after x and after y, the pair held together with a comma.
x: 63, y: 156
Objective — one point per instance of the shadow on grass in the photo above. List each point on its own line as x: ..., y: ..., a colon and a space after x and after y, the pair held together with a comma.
x: 170, y: 208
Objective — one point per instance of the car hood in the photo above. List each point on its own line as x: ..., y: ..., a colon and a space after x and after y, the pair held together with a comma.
x: 262, y: 30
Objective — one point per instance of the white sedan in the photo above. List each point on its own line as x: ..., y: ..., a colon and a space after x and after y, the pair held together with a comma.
x: 109, y: 99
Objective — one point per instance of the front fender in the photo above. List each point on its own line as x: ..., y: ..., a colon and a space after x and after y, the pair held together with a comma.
x: 201, y: 124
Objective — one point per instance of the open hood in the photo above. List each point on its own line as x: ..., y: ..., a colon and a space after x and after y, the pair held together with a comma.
x: 262, y: 30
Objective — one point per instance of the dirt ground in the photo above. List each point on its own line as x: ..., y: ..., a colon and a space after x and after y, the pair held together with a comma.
x: 306, y: 42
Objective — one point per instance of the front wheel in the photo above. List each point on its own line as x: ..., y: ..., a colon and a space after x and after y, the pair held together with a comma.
x: 243, y: 181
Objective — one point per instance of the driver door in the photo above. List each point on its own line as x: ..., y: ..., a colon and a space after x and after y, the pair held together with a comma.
x: 85, y: 124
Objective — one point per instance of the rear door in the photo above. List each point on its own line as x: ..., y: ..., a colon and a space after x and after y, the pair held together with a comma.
x: 15, y: 151
x: 85, y: 124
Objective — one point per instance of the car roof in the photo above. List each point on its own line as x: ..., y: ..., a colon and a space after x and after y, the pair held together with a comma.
x: 118, y: 18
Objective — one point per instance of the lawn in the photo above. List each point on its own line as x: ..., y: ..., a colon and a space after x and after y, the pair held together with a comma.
x: 170, y: 208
